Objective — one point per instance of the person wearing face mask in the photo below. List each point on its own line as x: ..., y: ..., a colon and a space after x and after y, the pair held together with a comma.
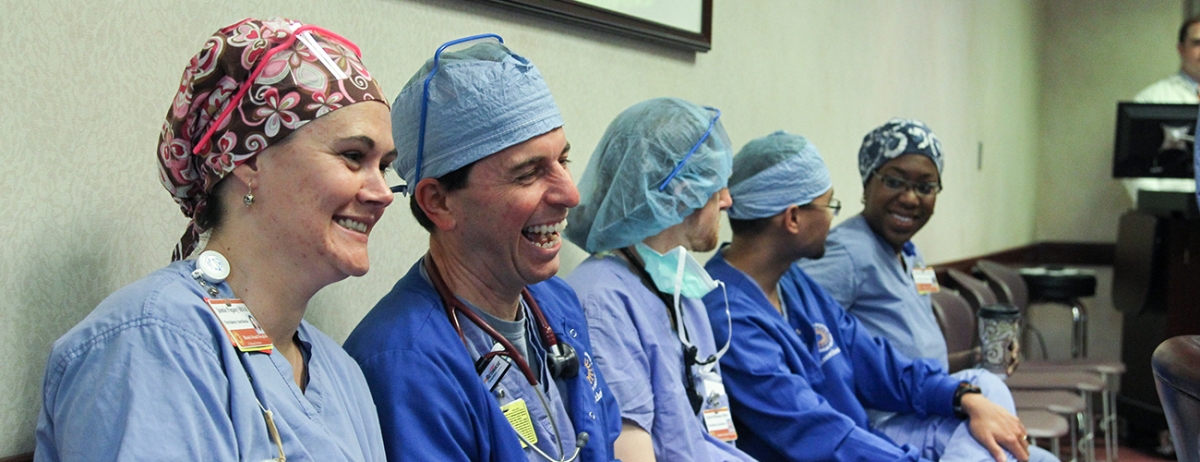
x: 653, y: 193
x: 801, y: 372
x: 210, y: 357
x: 480, y: 353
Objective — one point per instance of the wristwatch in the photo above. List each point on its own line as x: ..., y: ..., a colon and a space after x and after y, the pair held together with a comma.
x: 963, y: 389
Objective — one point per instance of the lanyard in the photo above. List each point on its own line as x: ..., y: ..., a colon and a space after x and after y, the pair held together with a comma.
x: 205, y: 272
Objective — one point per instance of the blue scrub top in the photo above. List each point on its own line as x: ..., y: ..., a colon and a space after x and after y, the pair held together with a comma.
x: 860, y: 270
x: 151, y: 375
x: 798, y: 386
x: 434, y: 406
x: 642, y: 358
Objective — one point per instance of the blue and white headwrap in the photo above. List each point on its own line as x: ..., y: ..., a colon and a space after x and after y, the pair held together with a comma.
x: 895, y: 138
x: 478, y: 101
x: 775, y: 172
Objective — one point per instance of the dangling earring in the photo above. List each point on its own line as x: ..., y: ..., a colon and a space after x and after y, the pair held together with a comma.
x: 248, y: 199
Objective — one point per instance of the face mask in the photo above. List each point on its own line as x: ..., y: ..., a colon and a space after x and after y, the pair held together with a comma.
x: 676, y: 272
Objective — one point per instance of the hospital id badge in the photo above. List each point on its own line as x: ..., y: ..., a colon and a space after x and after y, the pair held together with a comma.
x: 239, y: 324
x: 518, y: 416
x: 719, y: 423
x: 717, y: 418
x: 926, y: 281
x: 492, y: 368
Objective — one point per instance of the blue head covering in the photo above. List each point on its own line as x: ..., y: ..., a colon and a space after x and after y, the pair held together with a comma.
x: 481, y: 100
x: 895, y: 138
x: 621, y: 201
x: 775, y: 172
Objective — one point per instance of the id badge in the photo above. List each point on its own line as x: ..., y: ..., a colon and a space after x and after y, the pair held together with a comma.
x: 491, y: 370
x: 718, y: 420
x: 240, y: 326
x: 518, y: 416
x: 926, y: 280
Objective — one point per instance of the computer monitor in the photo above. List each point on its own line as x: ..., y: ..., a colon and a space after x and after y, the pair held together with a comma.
x: 1154, y: 140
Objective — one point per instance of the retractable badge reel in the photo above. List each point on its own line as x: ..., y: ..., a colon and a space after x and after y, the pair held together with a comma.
x: 213, y: 266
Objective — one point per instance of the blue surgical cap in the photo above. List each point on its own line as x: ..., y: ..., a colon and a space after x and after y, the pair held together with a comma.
x: 775, y: 172
x: 481, y: 100
x: 895, y: 138
x: 621, y: 204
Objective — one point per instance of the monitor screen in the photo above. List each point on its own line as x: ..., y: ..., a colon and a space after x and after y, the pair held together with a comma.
x: 1154, y: 140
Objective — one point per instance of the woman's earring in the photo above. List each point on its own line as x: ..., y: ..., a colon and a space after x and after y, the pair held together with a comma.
x: 248, y: 199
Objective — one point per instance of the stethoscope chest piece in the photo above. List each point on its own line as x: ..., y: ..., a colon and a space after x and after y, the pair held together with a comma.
x: 562, y: 361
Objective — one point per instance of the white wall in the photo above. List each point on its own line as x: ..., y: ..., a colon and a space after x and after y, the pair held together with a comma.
x: 87, y: 85
x: 1094, y: 54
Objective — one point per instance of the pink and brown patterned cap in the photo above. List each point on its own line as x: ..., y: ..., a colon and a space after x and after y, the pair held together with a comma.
x: 254, y: 83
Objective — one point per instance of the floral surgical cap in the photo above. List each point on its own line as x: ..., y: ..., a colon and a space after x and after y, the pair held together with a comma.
x: 481, y: 100
x: 775, y: 172
x: 895, y: 138
x: 254, y: 83
x: 623, y: 197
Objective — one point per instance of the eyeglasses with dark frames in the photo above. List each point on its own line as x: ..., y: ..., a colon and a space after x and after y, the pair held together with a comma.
x: 920, y: 188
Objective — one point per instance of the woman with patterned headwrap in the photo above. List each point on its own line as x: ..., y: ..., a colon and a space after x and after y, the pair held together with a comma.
x: 280, y: 171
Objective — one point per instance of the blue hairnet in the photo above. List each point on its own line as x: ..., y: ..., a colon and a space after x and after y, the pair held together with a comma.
x: 775, y: 172
x: 481, y: 100
x: 621, y: 204
x: 895, y: 138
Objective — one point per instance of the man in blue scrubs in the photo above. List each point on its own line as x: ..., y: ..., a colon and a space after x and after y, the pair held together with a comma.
x: 652, y: 193
x: 801, y: 371
x: 479, y: 353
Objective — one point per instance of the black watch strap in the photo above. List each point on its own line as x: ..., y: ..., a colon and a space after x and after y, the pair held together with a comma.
x: 963, y: 389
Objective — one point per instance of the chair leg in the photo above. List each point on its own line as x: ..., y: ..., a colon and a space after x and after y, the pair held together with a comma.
x: 1075, y: 426
x: 1078, y: 330
x: 1089, y: 426
x: 1110, y: 419
x: 1056, y: 448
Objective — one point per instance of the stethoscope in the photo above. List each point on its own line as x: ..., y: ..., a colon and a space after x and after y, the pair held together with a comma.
x: 211, y: 269
x: 561, y: 359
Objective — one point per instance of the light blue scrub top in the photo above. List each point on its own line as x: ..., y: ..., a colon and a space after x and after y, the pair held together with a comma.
x: 642, y: 358
x: 860, y: 270
x: 151, y: 375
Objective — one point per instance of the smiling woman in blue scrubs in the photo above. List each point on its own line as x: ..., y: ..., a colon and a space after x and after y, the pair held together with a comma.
x: 870, y: 264
x: 210, y: 359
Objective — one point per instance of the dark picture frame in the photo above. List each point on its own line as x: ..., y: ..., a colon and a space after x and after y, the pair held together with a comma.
x: 620, y: 23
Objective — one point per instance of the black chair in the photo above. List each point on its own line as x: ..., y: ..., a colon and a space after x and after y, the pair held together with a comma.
x: 1176, y: 364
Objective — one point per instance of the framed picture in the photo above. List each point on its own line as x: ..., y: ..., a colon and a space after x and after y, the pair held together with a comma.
x: 683, y: 24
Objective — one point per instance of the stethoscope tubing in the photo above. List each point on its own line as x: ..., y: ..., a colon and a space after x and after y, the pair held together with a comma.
x: 453, y: 305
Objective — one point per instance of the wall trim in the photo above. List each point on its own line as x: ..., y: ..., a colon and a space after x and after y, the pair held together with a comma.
x: 1042, y: 253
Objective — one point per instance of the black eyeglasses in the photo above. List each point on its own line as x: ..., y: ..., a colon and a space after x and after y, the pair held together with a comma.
x: 833, y: 204
x: 923, y: 189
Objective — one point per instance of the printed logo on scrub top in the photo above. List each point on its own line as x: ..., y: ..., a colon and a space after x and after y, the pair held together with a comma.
x: 825, y: 344
x: 591, y: 376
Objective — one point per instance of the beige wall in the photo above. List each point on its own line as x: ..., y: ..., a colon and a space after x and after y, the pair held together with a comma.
x: 1094, y: 53
x: 87, y: 85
